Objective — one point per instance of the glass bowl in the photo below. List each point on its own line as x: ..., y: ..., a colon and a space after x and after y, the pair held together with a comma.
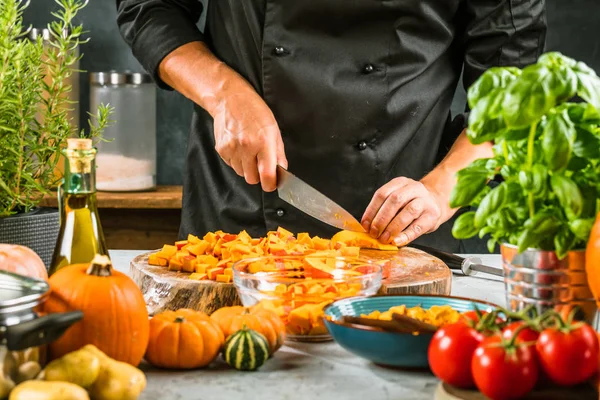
x: 297, y: 288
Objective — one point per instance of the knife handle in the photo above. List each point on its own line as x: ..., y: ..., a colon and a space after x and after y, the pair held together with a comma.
x: 451, y: 260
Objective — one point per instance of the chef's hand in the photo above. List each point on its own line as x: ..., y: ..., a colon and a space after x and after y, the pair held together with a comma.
x: 401, y: 211
x: 248, y: 139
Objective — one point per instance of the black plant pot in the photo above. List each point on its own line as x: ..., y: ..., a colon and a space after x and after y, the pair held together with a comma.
x: 37, y: 229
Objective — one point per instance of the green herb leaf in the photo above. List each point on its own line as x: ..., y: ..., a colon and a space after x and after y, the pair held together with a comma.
x: 588, y: 85
x: 467, y: 188
x: 587, y: 144
x: 582, y: 227
x: 491, y: 203
x: 542, y: 225
x: 463, y: 227
x: 493, y: 78
x: 557, y: 143
x: 563, y: 242
x: 568, y: 194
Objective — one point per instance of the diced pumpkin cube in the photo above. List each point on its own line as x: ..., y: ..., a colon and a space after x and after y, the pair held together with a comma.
x: 189, y: 264
x: 175, y: 265
x: 256, y: 266
x: 198, y: 277
x: 181, y: 253
x: 168, y: 251
x: 245, y: 238
x: 350, y: 251
x: 284, y: 233
x: 213, y: 272
x: 320, y: 244
x: 228, y: 271
x: 223, y: 263
x: 217, y: 248
x: 315, y: 289
x: 223, y: 278
x: 199, y: 248
x: 179, y: 244
x: 207, y: 259
x: 202, y: 268
x: 153, y: 259
x: 210, y: 237
x: 192, y: 239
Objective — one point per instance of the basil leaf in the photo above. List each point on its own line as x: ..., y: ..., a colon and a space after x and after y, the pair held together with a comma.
x: 528, y: 97
x: 568, y: 194
x: 516, y: 134
x: 491, y: 245
x: 588, y: 87
x: 577, y: 163
x: 542, y: 225
x: 586, y: 145
x: 467, y: 188
x: 482, y: 127
x: 556, y: 59
x: 486, y: 230
x: 493, y: 78
x: 463, y: 227
x: 557, y: 141
x: 582, y: 113
x: 491, y: 203
x: 534, y: 181
x: 563, y: 242
x: 582, y: 227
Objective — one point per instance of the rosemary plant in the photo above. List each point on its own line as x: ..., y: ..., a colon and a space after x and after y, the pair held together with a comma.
x: 34, y: 106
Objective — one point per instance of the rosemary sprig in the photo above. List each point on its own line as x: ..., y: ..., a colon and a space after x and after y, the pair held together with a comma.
x: 34, y: 104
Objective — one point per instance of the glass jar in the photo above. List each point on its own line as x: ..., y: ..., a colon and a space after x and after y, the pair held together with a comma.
x: 127, y: 161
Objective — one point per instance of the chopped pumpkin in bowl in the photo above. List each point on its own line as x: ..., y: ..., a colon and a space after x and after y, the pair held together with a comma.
x: 297, y: 288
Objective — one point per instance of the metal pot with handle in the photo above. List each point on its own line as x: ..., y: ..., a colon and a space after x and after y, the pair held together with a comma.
x: 24, y: 331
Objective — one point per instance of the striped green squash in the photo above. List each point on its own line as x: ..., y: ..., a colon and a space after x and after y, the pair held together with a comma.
x: 246, y: 350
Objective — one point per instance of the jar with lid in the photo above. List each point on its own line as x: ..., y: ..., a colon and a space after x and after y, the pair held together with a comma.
x: 126, y: 162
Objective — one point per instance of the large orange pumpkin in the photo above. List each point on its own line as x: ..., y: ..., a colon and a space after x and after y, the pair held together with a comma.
x: 22, y: 260
x: 592, y: 260
x: 183, y: 339
x: 115, y: 319
x: 262, y: 320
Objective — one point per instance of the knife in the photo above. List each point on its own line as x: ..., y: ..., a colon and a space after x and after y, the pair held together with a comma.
x: 309, y: 200
x: 469, y: 266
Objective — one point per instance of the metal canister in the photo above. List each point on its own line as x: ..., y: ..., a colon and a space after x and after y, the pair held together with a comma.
x: 24, y: 332
x: 539, y: 278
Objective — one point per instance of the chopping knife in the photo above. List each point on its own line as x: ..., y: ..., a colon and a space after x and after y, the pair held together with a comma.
x: 304, y: 197
x: 469, y: 266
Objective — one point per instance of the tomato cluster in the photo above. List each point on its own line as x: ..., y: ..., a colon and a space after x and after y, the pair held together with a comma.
x: 505, y: 354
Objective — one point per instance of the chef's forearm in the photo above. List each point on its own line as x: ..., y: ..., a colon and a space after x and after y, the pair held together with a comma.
x: 194, y: 71
x: 442, y: 179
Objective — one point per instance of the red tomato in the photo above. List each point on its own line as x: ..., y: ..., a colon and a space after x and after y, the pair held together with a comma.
x: 503, y: 373
x: 525, y: 335
x: 450, y: 353
x: 569, y: 356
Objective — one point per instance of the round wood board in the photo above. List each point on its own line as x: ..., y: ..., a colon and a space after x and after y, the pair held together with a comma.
x: 583, y: 392
x: 411, y: 271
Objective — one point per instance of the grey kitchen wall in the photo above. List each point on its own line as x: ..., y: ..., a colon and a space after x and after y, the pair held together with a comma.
x: 574, y: 29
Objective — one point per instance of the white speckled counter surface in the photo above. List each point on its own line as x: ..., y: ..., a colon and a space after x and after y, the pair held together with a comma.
x: 309, y: 370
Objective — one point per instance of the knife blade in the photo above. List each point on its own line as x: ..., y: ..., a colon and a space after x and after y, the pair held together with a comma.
x: 469, y: 266
x: 309, y: 200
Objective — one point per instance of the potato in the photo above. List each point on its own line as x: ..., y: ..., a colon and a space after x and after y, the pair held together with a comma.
x: 118, y: 381
x: 80, y: 367
x: 44, y: 390
x: 27, y: 371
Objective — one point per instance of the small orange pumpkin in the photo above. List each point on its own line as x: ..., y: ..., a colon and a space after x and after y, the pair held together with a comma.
x: 183, y: 339
x: 592, y: 260
x: 22, y: 260
x: 115, y: 319
x: 262, y: 320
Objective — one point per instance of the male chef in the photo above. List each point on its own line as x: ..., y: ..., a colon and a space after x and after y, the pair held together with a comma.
x: 352, y: 96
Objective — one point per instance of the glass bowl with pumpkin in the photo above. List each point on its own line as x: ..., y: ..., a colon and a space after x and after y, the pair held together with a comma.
x: 298, y: 287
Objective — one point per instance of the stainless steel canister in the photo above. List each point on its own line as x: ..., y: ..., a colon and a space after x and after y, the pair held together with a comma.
x: 24, y: 332
x: 539, y: 278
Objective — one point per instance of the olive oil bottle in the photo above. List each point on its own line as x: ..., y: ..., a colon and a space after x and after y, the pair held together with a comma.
x: 80, y: 237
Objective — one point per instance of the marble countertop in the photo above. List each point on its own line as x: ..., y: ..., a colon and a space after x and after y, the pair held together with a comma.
x: 309, y: 370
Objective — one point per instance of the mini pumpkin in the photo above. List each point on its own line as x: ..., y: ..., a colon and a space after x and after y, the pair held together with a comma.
x: 262, y: 320
x: 22, y: 260
x: 246, y: 350
x: 183, y: 339
x: 115, y: 319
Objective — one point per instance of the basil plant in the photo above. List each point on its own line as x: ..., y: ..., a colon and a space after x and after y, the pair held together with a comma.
x: 546, y: 149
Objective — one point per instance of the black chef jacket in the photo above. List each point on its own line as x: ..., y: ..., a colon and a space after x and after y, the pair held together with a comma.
x: 361, y: 91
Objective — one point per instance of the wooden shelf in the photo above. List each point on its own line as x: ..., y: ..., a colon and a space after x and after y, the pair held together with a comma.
x: 164, y: 197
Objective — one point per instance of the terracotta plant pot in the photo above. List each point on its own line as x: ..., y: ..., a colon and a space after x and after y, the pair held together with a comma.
x: 539, y: 278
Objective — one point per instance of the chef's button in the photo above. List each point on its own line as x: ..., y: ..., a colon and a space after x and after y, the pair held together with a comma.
x: 280, y: 212
x: 362, y: 145
x: 367, y: 69
x: 280, y: 51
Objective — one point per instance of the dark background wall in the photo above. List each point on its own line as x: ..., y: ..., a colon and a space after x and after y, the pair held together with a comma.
x: 574, y: 29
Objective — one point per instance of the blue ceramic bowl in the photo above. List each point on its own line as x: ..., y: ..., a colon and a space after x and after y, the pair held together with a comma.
x: 389, y: 348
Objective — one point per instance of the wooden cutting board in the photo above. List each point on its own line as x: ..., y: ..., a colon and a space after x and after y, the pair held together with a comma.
x: 583, y: 392
x: 411, y: 271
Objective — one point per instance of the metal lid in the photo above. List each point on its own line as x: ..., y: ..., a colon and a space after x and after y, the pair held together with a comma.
x: 19, y: 293
x: 119, y: 78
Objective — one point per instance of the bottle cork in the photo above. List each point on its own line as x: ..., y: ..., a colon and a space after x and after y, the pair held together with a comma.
x: 79, y: 144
